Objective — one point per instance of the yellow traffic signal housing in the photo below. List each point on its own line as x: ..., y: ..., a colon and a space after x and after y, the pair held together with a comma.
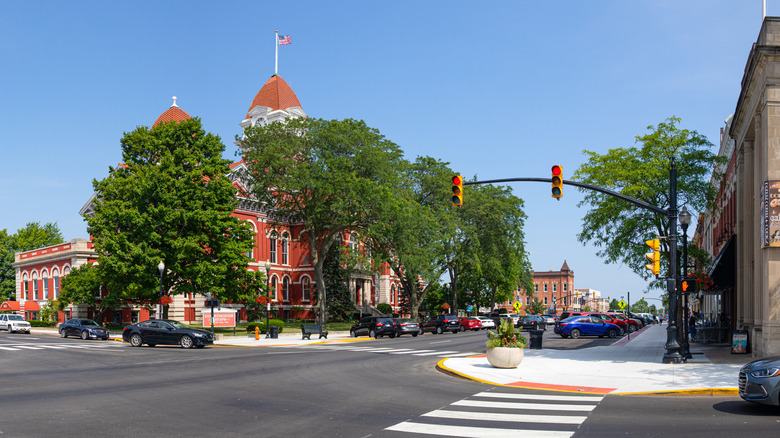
x: 654, y: 257
x: 457, y: 190
x: 557, y: 182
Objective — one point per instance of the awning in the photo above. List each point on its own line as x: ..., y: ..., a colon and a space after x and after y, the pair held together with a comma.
x: 12, y: 306
x: 723, y: 271
x: 31, y: 306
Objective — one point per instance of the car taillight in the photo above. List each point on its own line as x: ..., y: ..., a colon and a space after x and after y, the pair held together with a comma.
x: 379, y: 324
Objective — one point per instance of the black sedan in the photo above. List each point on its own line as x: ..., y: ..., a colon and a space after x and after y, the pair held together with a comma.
x: 85, y: 328
x: 374, y: 327
x: 407, y: 326
x: 165, y: 332
x: 532, y: 322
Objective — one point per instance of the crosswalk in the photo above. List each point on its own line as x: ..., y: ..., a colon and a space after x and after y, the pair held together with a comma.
x: 504, y: 414
x: 61, y: 346
x: 408, y: 351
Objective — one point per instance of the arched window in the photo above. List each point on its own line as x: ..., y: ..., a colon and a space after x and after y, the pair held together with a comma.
x: 25, y: 288
x: 45, y: 281
x: 286, y: 288
x: 352, y: 242
x: 272, y: 254
x: 392, y: 294
x: 251, y: 251
x: 274, y: 294
x: 55, y: 273
x: 306, y: 286
x: 35, y: 285
x: 285, y: 249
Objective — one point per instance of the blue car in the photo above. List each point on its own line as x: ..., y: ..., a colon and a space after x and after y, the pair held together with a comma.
x: 576, y: 326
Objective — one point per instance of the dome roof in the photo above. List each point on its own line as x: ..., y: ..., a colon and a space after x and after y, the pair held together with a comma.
x: 172, y: 114
x: 275, y: 94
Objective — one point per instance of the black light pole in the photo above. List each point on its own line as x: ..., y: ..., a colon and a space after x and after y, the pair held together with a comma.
x: 685, y: 220
x: 268, y: 302
x: 161, y: 269
x: 672, y: 346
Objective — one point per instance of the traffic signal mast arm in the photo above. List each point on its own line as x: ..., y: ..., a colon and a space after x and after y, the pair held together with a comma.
x: 634, y: 201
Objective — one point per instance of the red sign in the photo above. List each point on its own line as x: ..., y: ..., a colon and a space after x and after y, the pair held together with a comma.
x: 221, y: 319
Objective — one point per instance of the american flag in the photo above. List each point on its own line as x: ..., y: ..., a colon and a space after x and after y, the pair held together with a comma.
x: 284, y: 40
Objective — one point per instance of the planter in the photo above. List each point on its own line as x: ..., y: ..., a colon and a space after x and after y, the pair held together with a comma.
x: 505, y: 357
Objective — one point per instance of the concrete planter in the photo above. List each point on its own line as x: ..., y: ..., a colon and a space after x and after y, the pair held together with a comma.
x: 505, y: 357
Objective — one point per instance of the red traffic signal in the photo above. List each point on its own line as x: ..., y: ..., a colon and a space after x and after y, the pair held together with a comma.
x: 557, y: 181
x: 457, y: 190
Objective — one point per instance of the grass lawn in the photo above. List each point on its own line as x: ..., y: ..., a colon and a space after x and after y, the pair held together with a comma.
x: 289, y: 327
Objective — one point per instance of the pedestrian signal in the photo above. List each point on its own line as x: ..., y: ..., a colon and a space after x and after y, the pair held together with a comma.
x: 557, y: 182
x: 688, y: 285
x: 654, y: 257
x: 457, y: 190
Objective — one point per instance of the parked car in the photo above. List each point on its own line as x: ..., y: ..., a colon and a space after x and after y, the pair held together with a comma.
x: 550, y: 319
x: 486, y: 322
x: 513, y: 316
x: 617, y: 319
x: 532, y: 322
x: 441, y: 323
x: 165, y: 332
x: 406, y: 326
x: 469, y: 323
x: 85, y: 328
x: 585, y: 325
x: 374, y: 327
x: 759, y: 381
x: 14, y: 323
x: 632, y: 324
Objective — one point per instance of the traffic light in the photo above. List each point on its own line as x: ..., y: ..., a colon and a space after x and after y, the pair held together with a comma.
x: 557, y: 181
x: 688, y: 285
x: 457, y: 190
x: 654, y: 257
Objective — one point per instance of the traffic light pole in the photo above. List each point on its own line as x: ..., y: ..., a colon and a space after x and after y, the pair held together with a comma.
x: 672, y: 346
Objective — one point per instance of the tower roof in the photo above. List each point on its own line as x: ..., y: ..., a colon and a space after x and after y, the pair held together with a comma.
x: 565, y: 266
x: 172, y: 114
x: 275, y: 94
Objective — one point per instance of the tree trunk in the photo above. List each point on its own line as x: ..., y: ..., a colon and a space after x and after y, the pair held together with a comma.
x: 319, y: 280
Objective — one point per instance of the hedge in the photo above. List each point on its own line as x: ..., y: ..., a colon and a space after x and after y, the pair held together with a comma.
x: 250, y: 327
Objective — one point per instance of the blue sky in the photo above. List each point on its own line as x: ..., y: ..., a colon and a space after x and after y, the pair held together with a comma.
x: 499, y: 89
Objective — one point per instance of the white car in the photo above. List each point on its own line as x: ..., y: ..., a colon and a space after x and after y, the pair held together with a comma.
x: 513, y: 316
x: 14, y: 323
x: 486, y: 322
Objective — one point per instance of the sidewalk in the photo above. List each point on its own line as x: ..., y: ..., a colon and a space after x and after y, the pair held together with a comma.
x: 626, y: 367
x: 284, y: 339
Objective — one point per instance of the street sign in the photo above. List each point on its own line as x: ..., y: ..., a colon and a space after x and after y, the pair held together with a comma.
x: 517, y: 306
x: 622, y: 304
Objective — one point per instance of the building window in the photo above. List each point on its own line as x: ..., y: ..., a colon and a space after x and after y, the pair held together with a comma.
x: 306, y: 286
x: 25, y: 288
x: 392, y: 294
x: 536, y: 287
x: 564, y: 286
x: 286, y: 289
x: 545, y: 301
x: 285, y: 249
x: 545, y: 289
x: 555, y: 287
x: 272, y: 255
x: 527, y: 301
x: 352, y: 242
x: 35, y: 286
x: 274, y: 294
x: 56, y: 276
x: 45, y: 281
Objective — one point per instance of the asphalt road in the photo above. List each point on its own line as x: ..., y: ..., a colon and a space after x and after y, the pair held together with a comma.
x: 385, y: 387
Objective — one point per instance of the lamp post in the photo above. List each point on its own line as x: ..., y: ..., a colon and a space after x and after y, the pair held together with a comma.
x: 268, y: 296
x: 685, y: 220
x: 672, y: 346
x: 161, y: 269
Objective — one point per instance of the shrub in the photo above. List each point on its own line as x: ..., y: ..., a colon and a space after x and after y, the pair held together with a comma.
x: 385, y: 308
x: 506, y: 336
x: 36, y: 323
x: 261, y: 325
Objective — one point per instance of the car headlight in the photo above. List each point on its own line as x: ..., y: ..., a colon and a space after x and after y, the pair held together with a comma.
x: 767, y: 372
x: 200, y: 335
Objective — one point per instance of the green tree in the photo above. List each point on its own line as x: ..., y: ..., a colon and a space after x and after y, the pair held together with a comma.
x: 32, y: 236
x: 170, y: 201
x: 83, y: 287
x: 536, y: 307
x: 640, y: 307
x: 620, y: 228
x: 333, y: 177
x: 339, y: 303
x: 613, y: 305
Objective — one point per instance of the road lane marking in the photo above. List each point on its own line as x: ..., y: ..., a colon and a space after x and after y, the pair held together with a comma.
x: 512, y: 418
x: 473, y: 432
x: 533, y: 406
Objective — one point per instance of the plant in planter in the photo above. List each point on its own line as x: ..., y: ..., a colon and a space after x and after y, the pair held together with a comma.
x: 505, y: 346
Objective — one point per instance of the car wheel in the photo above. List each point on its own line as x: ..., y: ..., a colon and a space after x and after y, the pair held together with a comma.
x: 632, y: 328
x: 463, y: 329
x: 352, y: 334
x: 392, y: 335
x: 563, y: 336
x: 84, y: 335
x: 612, y: 333
x: 372, y: 334
x: 63, y: 334
x: 575, y: 333
x: 186, y: 342
x: 136, y: 340
x: 414, y: 335
x: 439, y: 330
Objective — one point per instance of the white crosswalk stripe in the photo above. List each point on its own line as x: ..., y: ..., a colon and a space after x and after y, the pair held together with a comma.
x: 505, y: 414
x: 85, y: 346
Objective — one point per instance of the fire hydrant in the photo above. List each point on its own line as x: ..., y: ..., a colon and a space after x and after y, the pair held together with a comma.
x: 257, y: 333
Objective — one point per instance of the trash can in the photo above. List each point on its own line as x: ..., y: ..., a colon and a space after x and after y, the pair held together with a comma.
x: 274, y: 331
x: 535, y: 339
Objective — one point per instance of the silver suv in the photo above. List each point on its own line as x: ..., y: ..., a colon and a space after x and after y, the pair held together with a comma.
x: 14, y: 323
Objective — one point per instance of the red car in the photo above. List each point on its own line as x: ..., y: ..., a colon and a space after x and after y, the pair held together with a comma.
x: 469, y: 323
x: 630, y: 323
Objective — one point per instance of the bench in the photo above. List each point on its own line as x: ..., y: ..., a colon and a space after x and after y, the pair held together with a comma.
x: 308, y: 330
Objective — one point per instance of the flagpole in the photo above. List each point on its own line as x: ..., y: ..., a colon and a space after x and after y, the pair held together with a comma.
x: 276, y: 63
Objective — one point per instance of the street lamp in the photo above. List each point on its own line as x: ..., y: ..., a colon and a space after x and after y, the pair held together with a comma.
x: 268, y: 300
x: 161, y: 269
x: 685, y: 220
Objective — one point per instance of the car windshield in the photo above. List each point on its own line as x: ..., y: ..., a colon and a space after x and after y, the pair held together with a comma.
x: 526, y: 318
x: 384, y: 320
x: 15, y: 318
x: 88, y: 322
x: 404, y: 320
